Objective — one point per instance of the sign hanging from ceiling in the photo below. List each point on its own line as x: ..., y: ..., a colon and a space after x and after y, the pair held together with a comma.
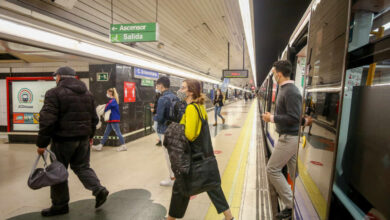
x: 140, y: 32
x: 235, y: 73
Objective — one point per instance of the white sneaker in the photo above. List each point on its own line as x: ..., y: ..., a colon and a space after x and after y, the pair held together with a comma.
x: 121, y: 148
x: 97, y: 147
x: 167, y: 182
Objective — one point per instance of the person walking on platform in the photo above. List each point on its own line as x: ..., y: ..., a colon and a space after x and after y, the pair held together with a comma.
x: 218, y: 103
x: 286, y: 118
x: 164, y: 114
x: 154, y: 111
x: 113, y: 122
x: 68, y: 121
x: 193, y: 129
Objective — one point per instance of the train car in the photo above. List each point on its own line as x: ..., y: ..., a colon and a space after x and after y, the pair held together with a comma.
x: 341, y: 65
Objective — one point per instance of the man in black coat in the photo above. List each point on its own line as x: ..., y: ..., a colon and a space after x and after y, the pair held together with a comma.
x: 68, y: 120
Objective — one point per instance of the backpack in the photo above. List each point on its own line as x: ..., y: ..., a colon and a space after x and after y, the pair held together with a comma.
x: 179, y: 110
x: 171, y: 113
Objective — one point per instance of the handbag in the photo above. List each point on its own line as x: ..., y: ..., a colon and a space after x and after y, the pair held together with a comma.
x: 107, y: 115
x: 49, y: 175
x: 204, y: 173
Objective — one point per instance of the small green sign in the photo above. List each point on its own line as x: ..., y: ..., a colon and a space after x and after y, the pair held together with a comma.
x: 147, y: 82
x: 133, y: 28
x: 102, y: 77
x: 133, y: 37
x: 141, y: 32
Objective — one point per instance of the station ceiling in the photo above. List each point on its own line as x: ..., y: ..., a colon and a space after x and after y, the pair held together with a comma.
x: 193, y: 33
x: 275, y: 20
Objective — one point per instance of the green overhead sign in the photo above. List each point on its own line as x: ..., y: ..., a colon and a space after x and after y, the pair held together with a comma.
x: 141, y: 32
x: 147, y: 82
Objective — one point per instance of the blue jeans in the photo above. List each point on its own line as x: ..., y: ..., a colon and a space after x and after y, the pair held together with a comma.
x: 217, y: 111
x: 115, y: 127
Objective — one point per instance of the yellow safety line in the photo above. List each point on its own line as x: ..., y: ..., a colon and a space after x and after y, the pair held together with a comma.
x: 234, y: 174
x: 314, y: 193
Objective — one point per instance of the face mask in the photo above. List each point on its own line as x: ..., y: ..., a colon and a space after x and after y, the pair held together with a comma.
x: 157, y: 91
x: 108, y: 96
x: 276, y: 79
x: 55, y: 78
x: 181, y: 95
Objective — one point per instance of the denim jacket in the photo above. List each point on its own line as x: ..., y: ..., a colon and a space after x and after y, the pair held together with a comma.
x: 162, y: 112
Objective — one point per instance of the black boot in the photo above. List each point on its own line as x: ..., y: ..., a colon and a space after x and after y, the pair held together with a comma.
x: 285, y: 214
x: 159, y: 144
x: 101, y: 197
x: 54, y: 211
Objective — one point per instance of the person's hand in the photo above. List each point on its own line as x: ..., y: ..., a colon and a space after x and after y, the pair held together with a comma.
x: 41, y: 151
x: 90, y: 141
x: 266, y: 117
x: 308, y: 120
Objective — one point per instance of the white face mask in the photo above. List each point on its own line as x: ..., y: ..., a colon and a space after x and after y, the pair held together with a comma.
x: 157, y: 91
x: 108, y: 96
x: 276, y: 79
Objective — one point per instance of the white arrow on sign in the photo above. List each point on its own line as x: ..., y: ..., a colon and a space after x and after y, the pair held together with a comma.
x: 114, y: 28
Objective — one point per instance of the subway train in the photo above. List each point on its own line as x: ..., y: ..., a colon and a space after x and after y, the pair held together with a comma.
x: 341, y: 64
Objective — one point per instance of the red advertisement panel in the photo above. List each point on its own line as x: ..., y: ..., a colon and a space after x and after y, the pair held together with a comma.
x: 129, y: 92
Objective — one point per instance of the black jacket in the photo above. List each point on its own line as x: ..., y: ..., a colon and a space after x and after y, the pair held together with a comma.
x: 178, y: 149
x: 68, y: 113
x: 218, y: 99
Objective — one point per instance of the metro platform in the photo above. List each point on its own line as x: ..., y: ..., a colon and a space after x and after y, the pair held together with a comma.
x: 133, y: 176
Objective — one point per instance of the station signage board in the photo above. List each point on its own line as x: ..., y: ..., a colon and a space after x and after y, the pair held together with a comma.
x: 235, y: 73
x: 101, y: 77
x: 140, y: 32
x: 145, y: 74
x: 147, y: 82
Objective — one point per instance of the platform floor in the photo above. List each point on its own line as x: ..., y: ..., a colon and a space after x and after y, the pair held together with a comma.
x: 133, y: 177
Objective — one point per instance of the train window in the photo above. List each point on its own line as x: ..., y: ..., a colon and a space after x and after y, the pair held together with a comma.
x: 361, y: 177
x: 327, y: 42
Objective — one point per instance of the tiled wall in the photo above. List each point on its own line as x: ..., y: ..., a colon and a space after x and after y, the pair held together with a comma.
x: 3, y: 103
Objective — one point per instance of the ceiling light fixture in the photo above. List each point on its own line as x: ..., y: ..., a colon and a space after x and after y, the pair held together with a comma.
x: 94, y: 51
x: 246, y: 16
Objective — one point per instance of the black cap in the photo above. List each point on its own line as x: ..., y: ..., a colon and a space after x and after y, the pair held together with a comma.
x: 65, y: 71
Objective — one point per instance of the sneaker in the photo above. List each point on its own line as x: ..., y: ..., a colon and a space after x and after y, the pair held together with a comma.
x: 101, y: 197
x: 223, y: 121
x: 167, y: 182
x: 97, y: 147
x: 215, y: 124
x: 121, y: 148
x: 159, y: 144
x: 54, y: 211
x: 286, y: 213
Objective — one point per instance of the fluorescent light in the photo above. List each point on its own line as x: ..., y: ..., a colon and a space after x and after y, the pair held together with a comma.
x: 246, y: 17
x: 386, y: 26
x: 94, y: 51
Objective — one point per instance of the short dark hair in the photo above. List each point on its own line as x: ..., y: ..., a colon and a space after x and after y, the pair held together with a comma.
x: 283, y: 66
x: 164, y: 81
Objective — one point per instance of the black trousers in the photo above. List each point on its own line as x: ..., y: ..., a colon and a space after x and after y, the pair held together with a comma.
x: 77, y: 154
x: 179, y: 202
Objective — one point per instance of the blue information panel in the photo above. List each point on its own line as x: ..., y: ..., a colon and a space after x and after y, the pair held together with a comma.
x: 144, y: 73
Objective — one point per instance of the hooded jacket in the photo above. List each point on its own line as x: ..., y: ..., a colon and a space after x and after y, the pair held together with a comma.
x: 68, y: 113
